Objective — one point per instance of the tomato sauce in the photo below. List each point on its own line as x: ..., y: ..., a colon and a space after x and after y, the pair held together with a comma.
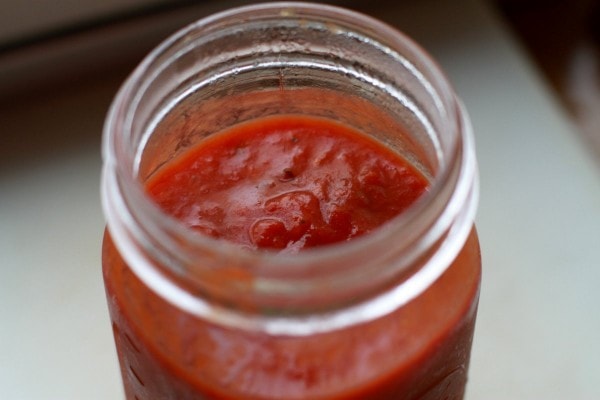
x: 288, y: 183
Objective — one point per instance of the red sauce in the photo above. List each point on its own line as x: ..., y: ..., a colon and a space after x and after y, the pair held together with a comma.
x: 287, y: 182
x: 291, y: 183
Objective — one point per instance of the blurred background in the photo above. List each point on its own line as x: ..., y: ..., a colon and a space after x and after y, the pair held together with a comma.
x: 529, y: 74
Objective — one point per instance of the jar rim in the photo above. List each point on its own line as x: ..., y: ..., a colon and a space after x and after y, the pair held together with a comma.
x: 457, y: 183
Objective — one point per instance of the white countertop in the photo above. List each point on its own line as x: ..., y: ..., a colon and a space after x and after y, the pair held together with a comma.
x: 539, y: 224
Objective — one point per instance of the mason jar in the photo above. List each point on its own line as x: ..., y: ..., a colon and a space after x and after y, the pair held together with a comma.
x: 388, y: 315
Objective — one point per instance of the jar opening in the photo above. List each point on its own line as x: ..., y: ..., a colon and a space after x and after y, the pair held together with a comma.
x: 368, y: 76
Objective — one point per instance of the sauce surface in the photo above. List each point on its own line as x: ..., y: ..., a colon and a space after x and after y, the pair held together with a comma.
x: 287, y: 182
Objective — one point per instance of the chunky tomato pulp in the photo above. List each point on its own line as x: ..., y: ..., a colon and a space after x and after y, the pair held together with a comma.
x: 289, y: 183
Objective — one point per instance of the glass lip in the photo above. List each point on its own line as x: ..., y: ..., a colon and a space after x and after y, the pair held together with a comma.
x: 123, y: 107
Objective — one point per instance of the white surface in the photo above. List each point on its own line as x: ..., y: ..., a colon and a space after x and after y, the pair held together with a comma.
x: 539, y: 224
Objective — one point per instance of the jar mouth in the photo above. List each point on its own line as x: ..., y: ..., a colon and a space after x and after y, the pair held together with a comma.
x: 440, y: 220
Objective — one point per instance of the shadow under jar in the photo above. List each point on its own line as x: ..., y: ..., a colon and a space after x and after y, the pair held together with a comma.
x: 387, y: 315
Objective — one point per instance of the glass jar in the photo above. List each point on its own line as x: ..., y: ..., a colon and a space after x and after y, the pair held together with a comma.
x: 389, y: 315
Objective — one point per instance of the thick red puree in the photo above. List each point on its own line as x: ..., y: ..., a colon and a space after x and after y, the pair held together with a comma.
x: 287, y: 182
x: 291, y: 183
